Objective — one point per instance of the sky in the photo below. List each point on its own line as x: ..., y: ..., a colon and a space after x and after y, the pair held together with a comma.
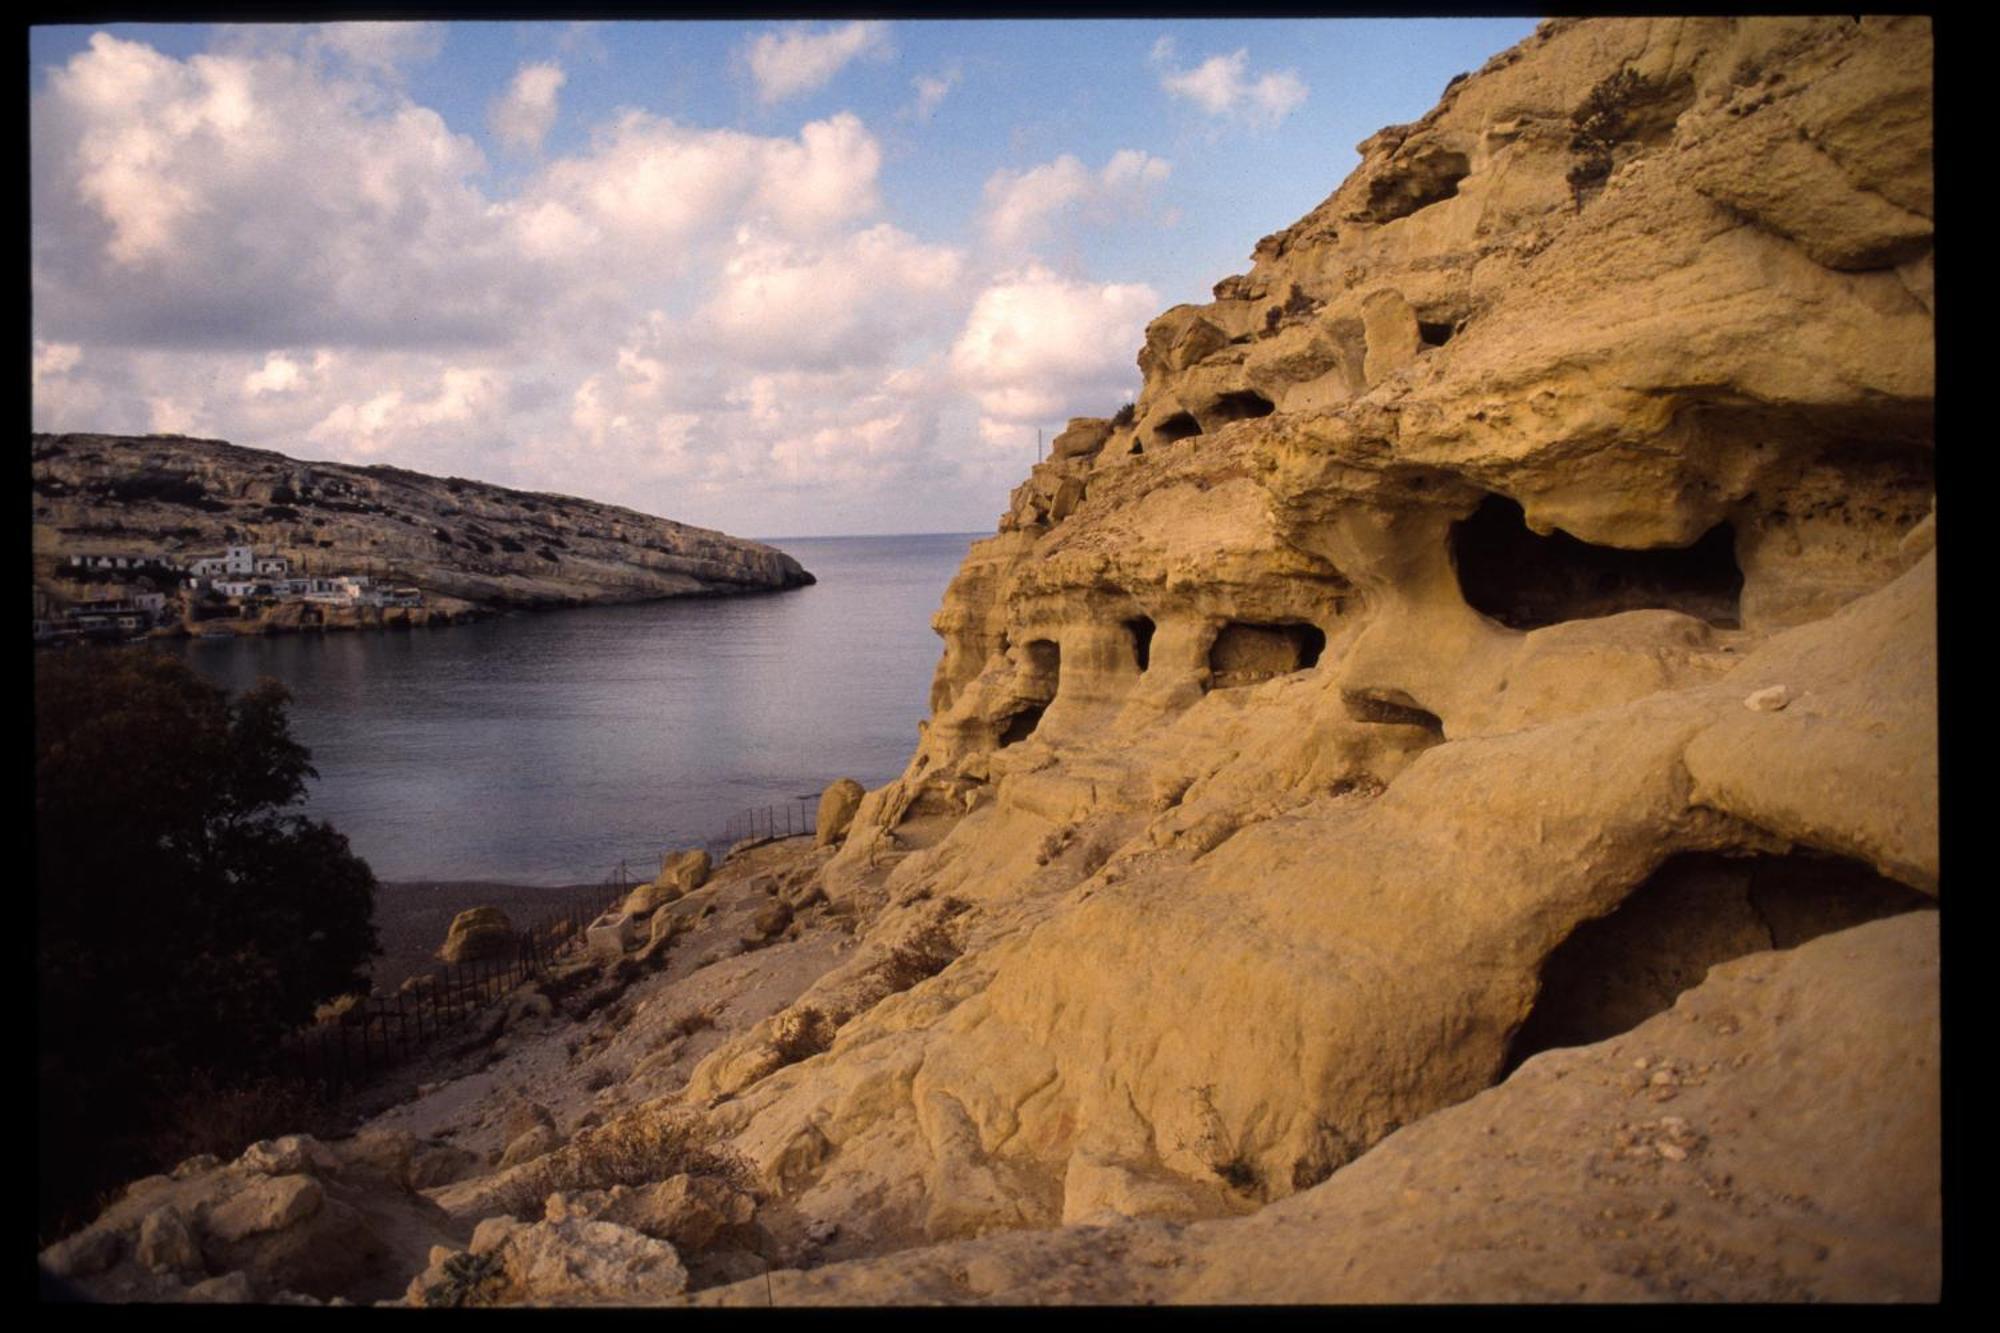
x: 781, y: 279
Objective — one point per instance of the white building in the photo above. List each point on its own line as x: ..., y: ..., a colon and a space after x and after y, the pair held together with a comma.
x: 237, y: 560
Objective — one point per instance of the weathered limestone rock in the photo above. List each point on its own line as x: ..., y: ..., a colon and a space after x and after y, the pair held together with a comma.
x: 837, y: 805
x: 571, y: 1262
x: 530, y: 1144
x: 1799, y: 1161
x: 84, y: 1254
x: 683, y: 872
x: 690, y: 1211
x: 1404, y: 633
x: 649, y: 897
x: 478, y: 934
x: 269, y: 1204
x: 166, y: 1244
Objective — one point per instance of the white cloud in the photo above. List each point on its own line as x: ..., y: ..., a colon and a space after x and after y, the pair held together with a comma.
x: 1222, y: 87
x: 648, y: 181
x: 55, y: 359
x: 845, y: 303
x: 383, y: 47
x: 522, y: 118
x: 792, y: 62
x: 1038, y: 347
x: 249, y: 200
x: 1020, y: 205
x: 931, y: 92
x: 278, y: 374
x: 272, y: 243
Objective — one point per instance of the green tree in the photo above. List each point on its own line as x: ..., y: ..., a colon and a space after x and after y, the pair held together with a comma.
x: 187, y: 918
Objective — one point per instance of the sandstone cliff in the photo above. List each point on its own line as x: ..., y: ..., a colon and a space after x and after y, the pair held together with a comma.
x: 1408, y: 812
x: 461, y: 542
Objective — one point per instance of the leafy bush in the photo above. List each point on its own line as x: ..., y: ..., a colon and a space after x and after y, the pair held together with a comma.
x: 187, y: 921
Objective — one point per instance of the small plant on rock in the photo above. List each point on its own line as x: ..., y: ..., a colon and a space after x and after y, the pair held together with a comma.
x: 469, y: 1279
x: 800, y: 1034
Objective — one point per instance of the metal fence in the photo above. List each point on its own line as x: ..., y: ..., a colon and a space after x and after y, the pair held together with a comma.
x: 382, y: 1031
x: 788, y: 819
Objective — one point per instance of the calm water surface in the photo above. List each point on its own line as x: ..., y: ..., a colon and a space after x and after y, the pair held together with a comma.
x: 543, y: 748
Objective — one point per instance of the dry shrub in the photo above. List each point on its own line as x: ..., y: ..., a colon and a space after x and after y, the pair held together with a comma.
x: 651, y: 1144
x: 922, y: 954
x: 800, y: 1033
x: 689, y: 1023
x: 223, y: 1120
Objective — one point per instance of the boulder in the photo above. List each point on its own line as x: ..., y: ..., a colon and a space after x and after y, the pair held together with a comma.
x: 571, y: 1262
x: 84, y: 1254
x: 684, y: 872
x: 689, y: 1211
x: 1083, y: 436
x: 768, y: 923
x: 166, y: 1243
x: 530, y: 1144
x: 837, y: 805
x: 478, y: 934
x: 289, y: 1155
x: 650, y: 897
x: 270, y: 1203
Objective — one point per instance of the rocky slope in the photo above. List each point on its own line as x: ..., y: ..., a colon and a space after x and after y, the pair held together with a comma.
x: 1440, y: 803
x: 461, y: 542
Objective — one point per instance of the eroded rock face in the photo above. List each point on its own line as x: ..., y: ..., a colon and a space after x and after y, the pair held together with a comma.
x: 1687, y: 1159
x: 1439, y: 801
x: 1288, y: 728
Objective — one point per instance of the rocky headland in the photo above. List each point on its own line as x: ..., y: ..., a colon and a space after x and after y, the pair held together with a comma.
x: 471, y: 548
x: 1439, y: 802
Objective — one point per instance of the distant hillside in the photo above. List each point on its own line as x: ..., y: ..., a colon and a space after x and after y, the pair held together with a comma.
x: 460, y: 541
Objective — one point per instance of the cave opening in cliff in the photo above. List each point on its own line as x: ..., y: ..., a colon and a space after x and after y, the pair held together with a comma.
x: 1141, y: 630
x: 1526, y: 581
x: 1434, y: 335
x: 1021, y: 724
x: 1245, y: 653
x: 1241, y: 405
x: 1698, y: 909
x: 1179, y: 426
x: 1040, y: 678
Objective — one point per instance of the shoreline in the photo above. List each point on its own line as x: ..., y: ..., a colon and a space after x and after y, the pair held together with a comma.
x: 412, y: 916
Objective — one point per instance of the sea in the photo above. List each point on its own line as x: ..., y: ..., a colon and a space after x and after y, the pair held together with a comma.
x: 545, y: 748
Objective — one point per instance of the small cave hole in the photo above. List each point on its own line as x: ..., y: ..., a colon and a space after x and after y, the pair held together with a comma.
x: 1698, y: 909
x: 1392, y: 708
x: 1045, y: 660
x: 1021, y: 725
x: 1434, y: 335
x: 1141, y: 630
x: 1245, y: 653
x: 1526, y: 581
x: 1431, y: 176
x: 1179, y: 426
x: 1241, y: 406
